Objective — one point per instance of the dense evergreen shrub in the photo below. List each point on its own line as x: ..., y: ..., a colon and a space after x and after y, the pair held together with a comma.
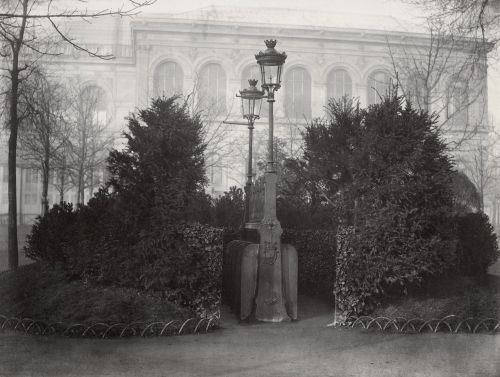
x: 229, y: 208
x: 394, y: 177
x: 51, y: 234
x: 477, y: 246
x: 316, y: 251
x: 131, y: 234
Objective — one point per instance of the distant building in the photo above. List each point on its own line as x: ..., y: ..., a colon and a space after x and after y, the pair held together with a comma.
x: 209, y: 53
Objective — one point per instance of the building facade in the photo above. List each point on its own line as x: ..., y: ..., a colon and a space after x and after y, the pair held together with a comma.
x: 208, y: 56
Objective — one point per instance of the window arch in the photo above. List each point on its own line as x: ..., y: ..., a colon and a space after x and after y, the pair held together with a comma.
x: 457, y: 109
x: 298, y: 94
x: 212, y: 89
x: 168, y: 79
x: 339, y: 84
x: 253, y: 72
x: 378, y: 86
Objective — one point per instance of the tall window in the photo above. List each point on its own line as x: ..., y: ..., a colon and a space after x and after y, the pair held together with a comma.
x: 298, y: 94
x: 168, y: 79
x: 212, y: 90
x: 378, y: 86
x: 253, y: 72
x: 457, y: 109
x: 339, y: 84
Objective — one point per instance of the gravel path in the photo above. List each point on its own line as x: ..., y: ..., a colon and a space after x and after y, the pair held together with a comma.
x: 305, y: 348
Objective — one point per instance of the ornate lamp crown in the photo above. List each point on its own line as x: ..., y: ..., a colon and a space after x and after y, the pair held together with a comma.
x: 253, y: 83
x: 270, y: 56
x: 270, y: 43
x: 252, y: 92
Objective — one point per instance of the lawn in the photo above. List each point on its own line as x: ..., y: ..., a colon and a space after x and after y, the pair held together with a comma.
x: 43, y: 292
x: 458, y: 295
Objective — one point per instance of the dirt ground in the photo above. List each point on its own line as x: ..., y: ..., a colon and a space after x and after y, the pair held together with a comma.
x: 304, y: 348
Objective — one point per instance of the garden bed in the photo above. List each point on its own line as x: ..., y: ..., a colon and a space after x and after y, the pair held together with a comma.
x: 461, y: 296
x: 42, y: 292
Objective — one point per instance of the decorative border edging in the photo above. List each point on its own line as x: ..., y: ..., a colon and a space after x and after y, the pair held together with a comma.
x: 450, y: 324
x: 104, y: 330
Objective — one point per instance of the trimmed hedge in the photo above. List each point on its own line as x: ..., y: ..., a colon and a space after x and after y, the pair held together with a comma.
x: 383, y: 260
x: 477, y: 247
x: 182, y: 263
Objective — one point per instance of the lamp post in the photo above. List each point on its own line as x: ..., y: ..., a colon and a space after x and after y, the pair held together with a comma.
x: 251, y: 101
x: 270, y: 301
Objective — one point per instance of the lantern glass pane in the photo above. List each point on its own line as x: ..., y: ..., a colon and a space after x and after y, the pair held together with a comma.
x: 258, y: 106
x: 271, y: 74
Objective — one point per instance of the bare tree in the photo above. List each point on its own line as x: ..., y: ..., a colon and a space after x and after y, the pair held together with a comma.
x: 480, y: 166
x: 42, y: 135
x: 444, y: 73
x: 213, y: 113
x: 90, y: 140
x: 24, y: 28
x: 474, y: 18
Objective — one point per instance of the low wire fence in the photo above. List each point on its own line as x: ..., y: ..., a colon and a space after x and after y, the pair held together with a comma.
x: 116, y: 330
x: 450, y: 323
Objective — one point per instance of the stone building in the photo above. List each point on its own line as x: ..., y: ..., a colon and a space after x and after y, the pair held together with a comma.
x: 208, y: 54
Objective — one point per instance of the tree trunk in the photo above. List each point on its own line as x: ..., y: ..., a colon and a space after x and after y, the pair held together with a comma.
x: 61, y: 188
x: 45, y: 185
x: 12, y: 161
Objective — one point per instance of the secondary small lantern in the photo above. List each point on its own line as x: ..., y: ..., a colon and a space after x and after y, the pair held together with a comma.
x: 271, y: 62
x: 251, y: 101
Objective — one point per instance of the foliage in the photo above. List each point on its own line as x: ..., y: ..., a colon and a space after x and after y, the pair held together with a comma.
x: 316, y: 259
x: 229, y: 208
x: 52, y: 233
x: 477, y: 247
x: 42, y: 291
x: 462, y: 296
x: 393, y: 177
x: 465, y: 195
x: 161, y: 171
x: 136, y: 234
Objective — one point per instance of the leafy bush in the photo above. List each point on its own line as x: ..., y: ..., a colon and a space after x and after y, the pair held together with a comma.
x: 229, y: 208
x: 131, y: 236
x: 316, y: 251
x: 477, y: 247
x: 51, y: 234
x: 42, y: 291
x: 466, y: 198
x: 397, y: 186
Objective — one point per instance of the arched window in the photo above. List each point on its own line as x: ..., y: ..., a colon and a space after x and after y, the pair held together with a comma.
x: 211, y: 87
x: 93, y: 105
x: 457, y: 109
x: 339, y: 84
x: 378, y: 86
x: 298, y: 94
x: 168, y: 79
x: 253, y: 72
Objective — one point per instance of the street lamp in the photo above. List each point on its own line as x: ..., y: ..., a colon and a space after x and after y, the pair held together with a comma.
x: 251, y: 102
x: 272, y: 292
x: 271, y: 63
